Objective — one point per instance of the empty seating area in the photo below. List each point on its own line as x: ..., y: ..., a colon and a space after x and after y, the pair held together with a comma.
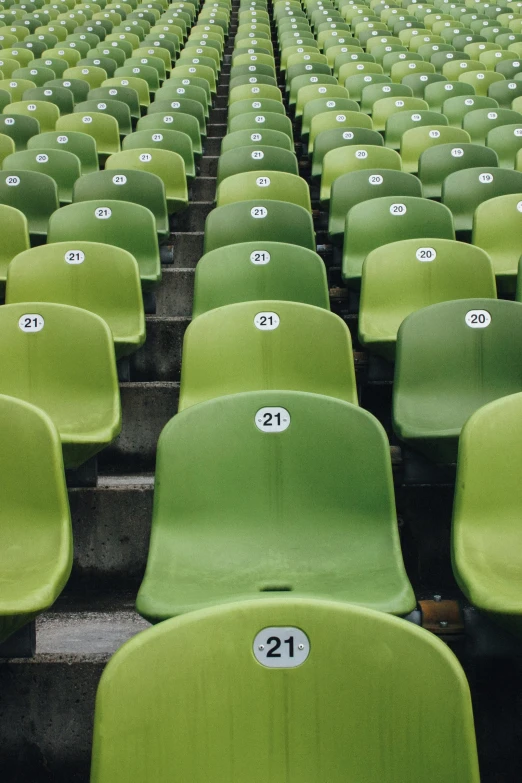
x: 260, y: 391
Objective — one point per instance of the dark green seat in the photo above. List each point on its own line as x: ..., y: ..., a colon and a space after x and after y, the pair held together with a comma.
x: 345, y: 447
x: 263, y: 158
x: 259, y: 270
x: 33, y: 193
x: 335, y: 138
x: 165, y: 164
x: 342, y: 160
x: 78, y: 87
x: 453, y: 358
x: 114, y: 108
x: 61, y: 96
x: 64, y: 167
x: 506, y: 141
x: 252, y: 138
x: 264, y: 121
x: 436, y: 163
x: 480, y: 122
x: 19, y: 128
x: 35, y: 524
x: 80, y: 144
x: 464, y: 190
x: 125, y: 95
x: 15, y: 238
x: 172, y: 140
x: 174, y: 121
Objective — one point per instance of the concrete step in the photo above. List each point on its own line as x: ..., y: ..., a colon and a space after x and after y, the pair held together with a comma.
x: 187, y: 248
x: 193, y: 218
x: 159, y: 359
x: 175, y: 293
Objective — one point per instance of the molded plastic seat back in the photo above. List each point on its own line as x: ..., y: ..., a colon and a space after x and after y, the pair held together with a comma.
x: 497, y: 224
x: 34, y: 194
x: 272, y: 484
x: 62, y: 166
x: 290, y: 345
x: 452, y: 358
x: 464, y: 190
x: 276, y: 185
x: 35, y: 524
x: 142, y: 720
x: 80, y: 144
x: 15, y: 238
x: 436, y: 163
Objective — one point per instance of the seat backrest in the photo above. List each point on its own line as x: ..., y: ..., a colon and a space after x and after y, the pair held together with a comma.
x: 496, y: 228
x: 437, y: 162
x: 33, y: 193
x: 19, y: 128
x: 142, y: 721
x: 252, y: 138
x: 415, y: 140
x: 278, y: 185
x: 276, y: 336
x: 478, y: 123
x: 80, y: 144
x: 464, y: 190
x: 345, y: 159
x: 250, y: 159
x: 102, y: 127
x: 15, y: 238
x: 506, y: 140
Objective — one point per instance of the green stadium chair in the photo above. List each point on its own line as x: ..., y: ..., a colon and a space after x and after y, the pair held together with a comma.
x: 167, y: 165
x: 22, y: 56
x: 311, y: 92
x: 255, y: 107
x: 182, y: 106
x: 420, y: 81
x: 114, y: 108
x: 268, y: 185
x: 345, y: 159
x: 36, y: 524
x: 416, y: 140
x: 64, y: 168
x: 33, y: 193
x: 357, y: 186
x: 124, y: 95
x: 172, y: 91
x: 78, y: 88
x: 481, y: 81
x: 384, y: 108
x: 485, y: 549
x: 184, y: 123
x: 456, y: 108
x: 405, y: 276
x: 480, y: 122
x: 496, y: 229
x: 237, y: 81
x: 172, y: 140
x: 111, y: 52
x: 509, y: 68
x: 149, y: 75
x: 252, y: 271
x: 475, y: 346
x: 438, y: 93
x: 71, y: 56
x: 120, y: 223
x: 55, y: 64
x: 80, y: 144
x: 252, y: 138
x: 15, y: 238
x: 255, y: 92
x: 124, y: 184
x: 391, y: 218
x: 261, y: 122
x: 100, y: 278
x: 325, y: 106
x: 102, y: 127
x: 200, y: 72
x: 464, y: 190
x: 341, y: 137
x: 261, y: 158
x: 247, y: 221
x: 7, y: 146
x: 375, y: 92
x: 506, y: 141
x: 330, y: 120
x: 453, y: 69
x: 92, y: 74
x: 436, y: 163
x: 16, y: 88
x: 399, y: 123
x: 72, y: 359
x: 46, y: 114
x: 345, y: 429
x: 505, y: 92
x: 60, y: 96
x: 270, y: 333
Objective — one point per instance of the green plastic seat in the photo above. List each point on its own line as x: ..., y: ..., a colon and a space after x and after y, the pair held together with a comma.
x: 254, y: 92
x: 405, y: 276
x: 172, y: 90
x: 72, y: 359
x: 325, y: 121
x: 255, y: 107
x: 182, y: 106
x: 464, y: 190
x: 15, y: 238
x: 259, y: 270
x: 167, y: 165
x: 247, y: 221
x: 325, y: 106
x: 251, y: 138
x: 260, y: 122
x: 70, y: 56
x: 124, y: 95
x: 352, y: 451
x: 475, y: 346
x: 391, y: 218
x: 78, y: 88
x: 496, y: 229
x: 64, y: 167
x: 505, y: 92
x: 481, y: 81
x: 457, y: 108
x: 124, y: 184
x: 356, y: 84
x: 100, y: 278
x: 436, y: 163
x: 145, y: 72
x: 270, y: 333
x: 341, y: 137
x: 416, y: 140
x: 454, y: 68
x: 114, y: 108
x: 198, y: 71
x: 437, y: 93
x: 375, y: 92
x: 60, y: 96
x: 266, y: 184
x: 133, y: 82
x: 18, y: 53
x: 124, y: 224
x: 55, y: 64
x: 35, y: 519
x: 184, y: 123
x: 506, y: 141
x: 352, y: 158
x: 16, y: 88
x: 384, y: 108
x: 357, y: 186
x: 173, y: 140
x: 311, y: 92
x: 485, y: 548
x: 46, y: 114
x: 102, y: 127
x: 397, y: 124
x: 80, y: 144
x: 7, y: 146
x: 92, y: 74
x: 33, y: 193
x: 261, y: 158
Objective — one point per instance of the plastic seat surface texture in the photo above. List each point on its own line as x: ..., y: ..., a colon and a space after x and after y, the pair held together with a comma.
x: 320, y: 721
x: 486, y: 547
x: 302, y: 493
x: 405, y: 276
x: 446, y: 369
x: 100, y: 278
x: 67, y: 368
x: 252, y: 271
x: 216, y: 344
x: 35, y: 524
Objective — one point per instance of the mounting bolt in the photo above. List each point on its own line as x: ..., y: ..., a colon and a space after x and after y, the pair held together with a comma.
x: 300, y: 646
x: 261, y: 647
x: 437, y: 598
x: 443, y: 624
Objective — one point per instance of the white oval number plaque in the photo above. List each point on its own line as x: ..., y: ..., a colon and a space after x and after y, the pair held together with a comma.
x: 281, y: 648
x: 272, y: 419
x: 31, y: 322
x: 266, y: 321
x: 478, y: 319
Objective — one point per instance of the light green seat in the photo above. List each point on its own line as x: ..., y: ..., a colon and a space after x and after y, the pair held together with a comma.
x: 452, y: 360
x: 185, y: 123
x: 464, y: 190
x: 265, y: 184
x: 458, y: 107
x: 80, y: 144
x: 124, y: 184
x: 325, y: 106
x: 276, y: 336
x: 174, y: 89
x: 124, y: 95
x: 173, y: 140
x: 145, y: 72
x: 357, y: 186
x: 7, y: 146
x: 71, y: 359
x: 352, y: 158
x: 486, y: 530
x: 100, y: 278
x: 384, y: 108
x: 16, y: 88
x: 261, y: 158
x: 33, y: 193
x: 15, y: 238
x: 406, y: 67
x: 167, y: 165
x: 102, y: 127
x: 259, y: 270
x: 342, y: 119
x: 418, y: 82
x: 197, y: 71
x: 436, y: 163
x: 481, y: 81
x: 311, y: 92
x: 246, y: 221
x: 453, y: 69
x: 379, y: 221
x: 35, y: 524
x: 263, y: 121
x: 46, y: 114
x: 506, y: 141
x: 254, y: 92
x: 437, y: 93
x: 134, y: 82
x: 341, y: 137
x: 496, y: 229
x: 64, y: 167
x: 399, y: 123
x: 121, y: 223
x: 181, y: 106
x: 346, y: 447
x: 114, y: 108
x: 356, y: 84
x: 252, y: 138
x: 91, y: 74
x: 250, y: 106
x: 416, y: 140
x: 405, y: 276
